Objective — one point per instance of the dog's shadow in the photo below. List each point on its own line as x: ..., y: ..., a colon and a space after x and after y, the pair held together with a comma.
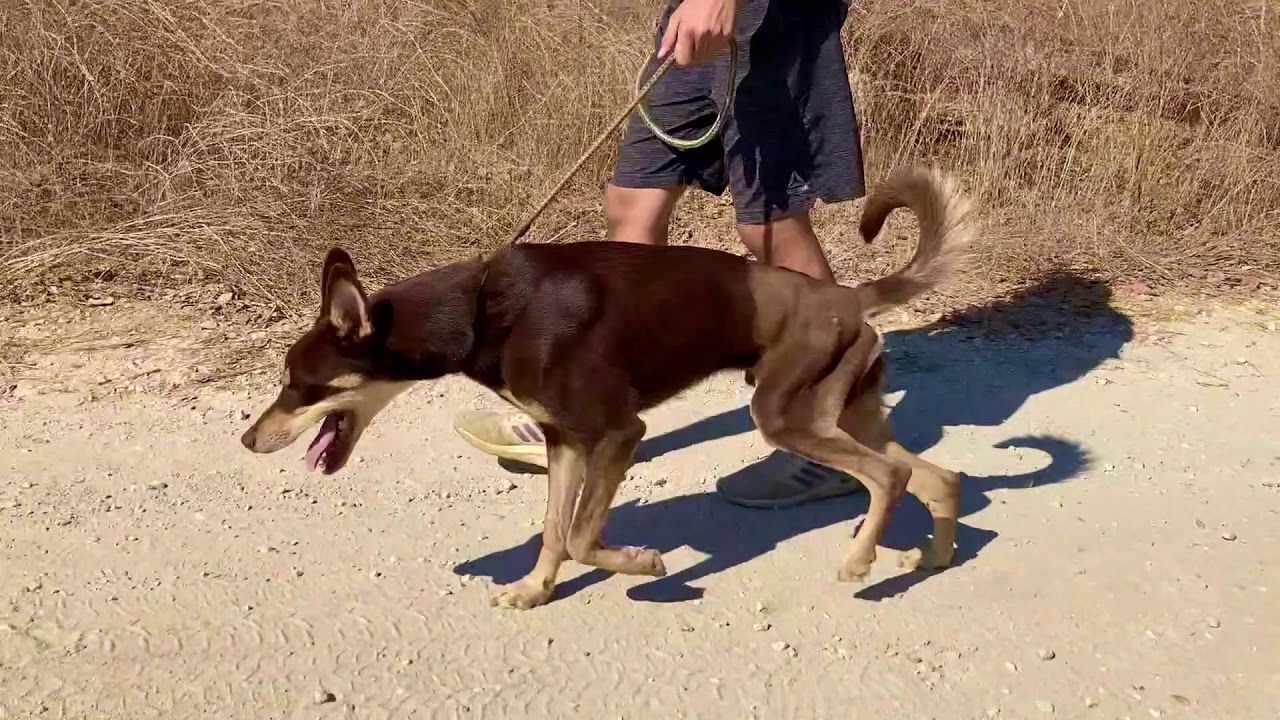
x: 974, y: 368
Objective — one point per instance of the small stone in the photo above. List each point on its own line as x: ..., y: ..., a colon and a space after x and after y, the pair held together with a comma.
x: 660, y: 482
x: 1044, y: 706
x: 760, y: 608
x: 993, y: 712
x: 157, y: 485
x: 1047, y: 654
x: 1229, y: 536
x: 785, y: 648
x: 1213, y: 622
x: 1155, y: 713
x: 242, y: 414
x: 298, y: 572
x: 224, y: 298
x: 1090, y: 702
x: 1011, y: 667
x: 686, y: 627
x: 375, y: 574
x: 761, y: 626
x: 323, y: 697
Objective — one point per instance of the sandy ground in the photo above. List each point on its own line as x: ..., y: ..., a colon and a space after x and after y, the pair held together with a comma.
x: 1117, y: 559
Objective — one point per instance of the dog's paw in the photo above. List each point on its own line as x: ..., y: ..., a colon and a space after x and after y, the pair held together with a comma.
x: 856, y: 566
x: 924, y: 557
x: 646, y: 561
x: 522, y: 595
x: 854, y: 573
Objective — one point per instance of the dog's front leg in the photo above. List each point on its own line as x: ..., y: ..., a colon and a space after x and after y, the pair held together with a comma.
x: 567, y: 464
x: 607, y: 465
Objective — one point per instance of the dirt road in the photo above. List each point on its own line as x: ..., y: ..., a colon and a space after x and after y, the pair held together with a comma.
x: 1119, y: 555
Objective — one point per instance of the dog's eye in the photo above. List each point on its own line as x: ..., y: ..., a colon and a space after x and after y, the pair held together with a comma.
x: 312, y: 394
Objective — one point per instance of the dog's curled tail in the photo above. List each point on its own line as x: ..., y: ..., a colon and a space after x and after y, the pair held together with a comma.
x: 947, y: 229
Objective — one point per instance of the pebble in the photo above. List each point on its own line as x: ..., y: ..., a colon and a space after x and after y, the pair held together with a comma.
x: 660, y: 482
x: 1044, y: 706
x: 761, y: 626
x: 686, y: 627
x: 1090, y: 702
x: 1213, y: 622
x: 375, y: 574
x: 157, y: 485
x: 993, y: 712
x: 760, y: 608
x: 1011, y: 667
x: 322, y: 697
x: 1228, y: 536
x: 783, y: 647
x: 1155, y: 713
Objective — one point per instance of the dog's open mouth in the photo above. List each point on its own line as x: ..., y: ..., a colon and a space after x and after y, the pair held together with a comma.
x: 332, y: 444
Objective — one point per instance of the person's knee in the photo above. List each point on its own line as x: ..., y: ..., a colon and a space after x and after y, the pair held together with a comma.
x: 788, y: 242
x: 640, y: 215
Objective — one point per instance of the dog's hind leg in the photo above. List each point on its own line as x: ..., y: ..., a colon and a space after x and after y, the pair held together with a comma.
x: 567, y: 463
x: 795, y: 410
x: 607, y: 465
x: 936, y: 487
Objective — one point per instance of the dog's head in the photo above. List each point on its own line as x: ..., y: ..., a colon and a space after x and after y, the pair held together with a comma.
x: 329, y: 376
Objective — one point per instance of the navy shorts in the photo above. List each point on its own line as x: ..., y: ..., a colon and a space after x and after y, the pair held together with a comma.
x: 791, y: 137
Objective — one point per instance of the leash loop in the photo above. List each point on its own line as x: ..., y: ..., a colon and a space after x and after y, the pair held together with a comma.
x: 643, y: 87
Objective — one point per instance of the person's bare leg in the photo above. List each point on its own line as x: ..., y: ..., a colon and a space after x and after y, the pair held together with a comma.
x: 640, y: 215
x: 787, y: 242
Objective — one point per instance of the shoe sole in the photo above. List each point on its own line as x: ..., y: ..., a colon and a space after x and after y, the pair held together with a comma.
x: 818, y: 493
x: 530, y: 454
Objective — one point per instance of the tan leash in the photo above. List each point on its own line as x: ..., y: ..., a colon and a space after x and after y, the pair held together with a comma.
x: 643, y: 86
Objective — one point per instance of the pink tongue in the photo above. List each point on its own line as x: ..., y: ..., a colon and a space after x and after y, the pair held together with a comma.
x: 328, y: 432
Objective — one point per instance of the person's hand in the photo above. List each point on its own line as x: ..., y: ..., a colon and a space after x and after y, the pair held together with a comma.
x: 698, y: 30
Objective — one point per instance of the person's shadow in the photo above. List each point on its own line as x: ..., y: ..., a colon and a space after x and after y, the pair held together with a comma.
x: 976, y: 367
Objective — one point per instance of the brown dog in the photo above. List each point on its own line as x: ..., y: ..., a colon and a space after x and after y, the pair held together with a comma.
x: 584, y: 337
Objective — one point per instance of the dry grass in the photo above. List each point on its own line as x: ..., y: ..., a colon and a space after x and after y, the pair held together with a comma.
x: 154, y: 143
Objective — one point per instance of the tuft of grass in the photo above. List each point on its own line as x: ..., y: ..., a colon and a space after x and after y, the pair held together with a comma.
x: 158, y: 142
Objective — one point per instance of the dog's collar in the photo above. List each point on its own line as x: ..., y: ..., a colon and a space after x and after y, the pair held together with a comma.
x: 477, y: 318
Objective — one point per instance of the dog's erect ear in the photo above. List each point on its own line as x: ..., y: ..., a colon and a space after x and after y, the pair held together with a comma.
x: 343, y: 303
